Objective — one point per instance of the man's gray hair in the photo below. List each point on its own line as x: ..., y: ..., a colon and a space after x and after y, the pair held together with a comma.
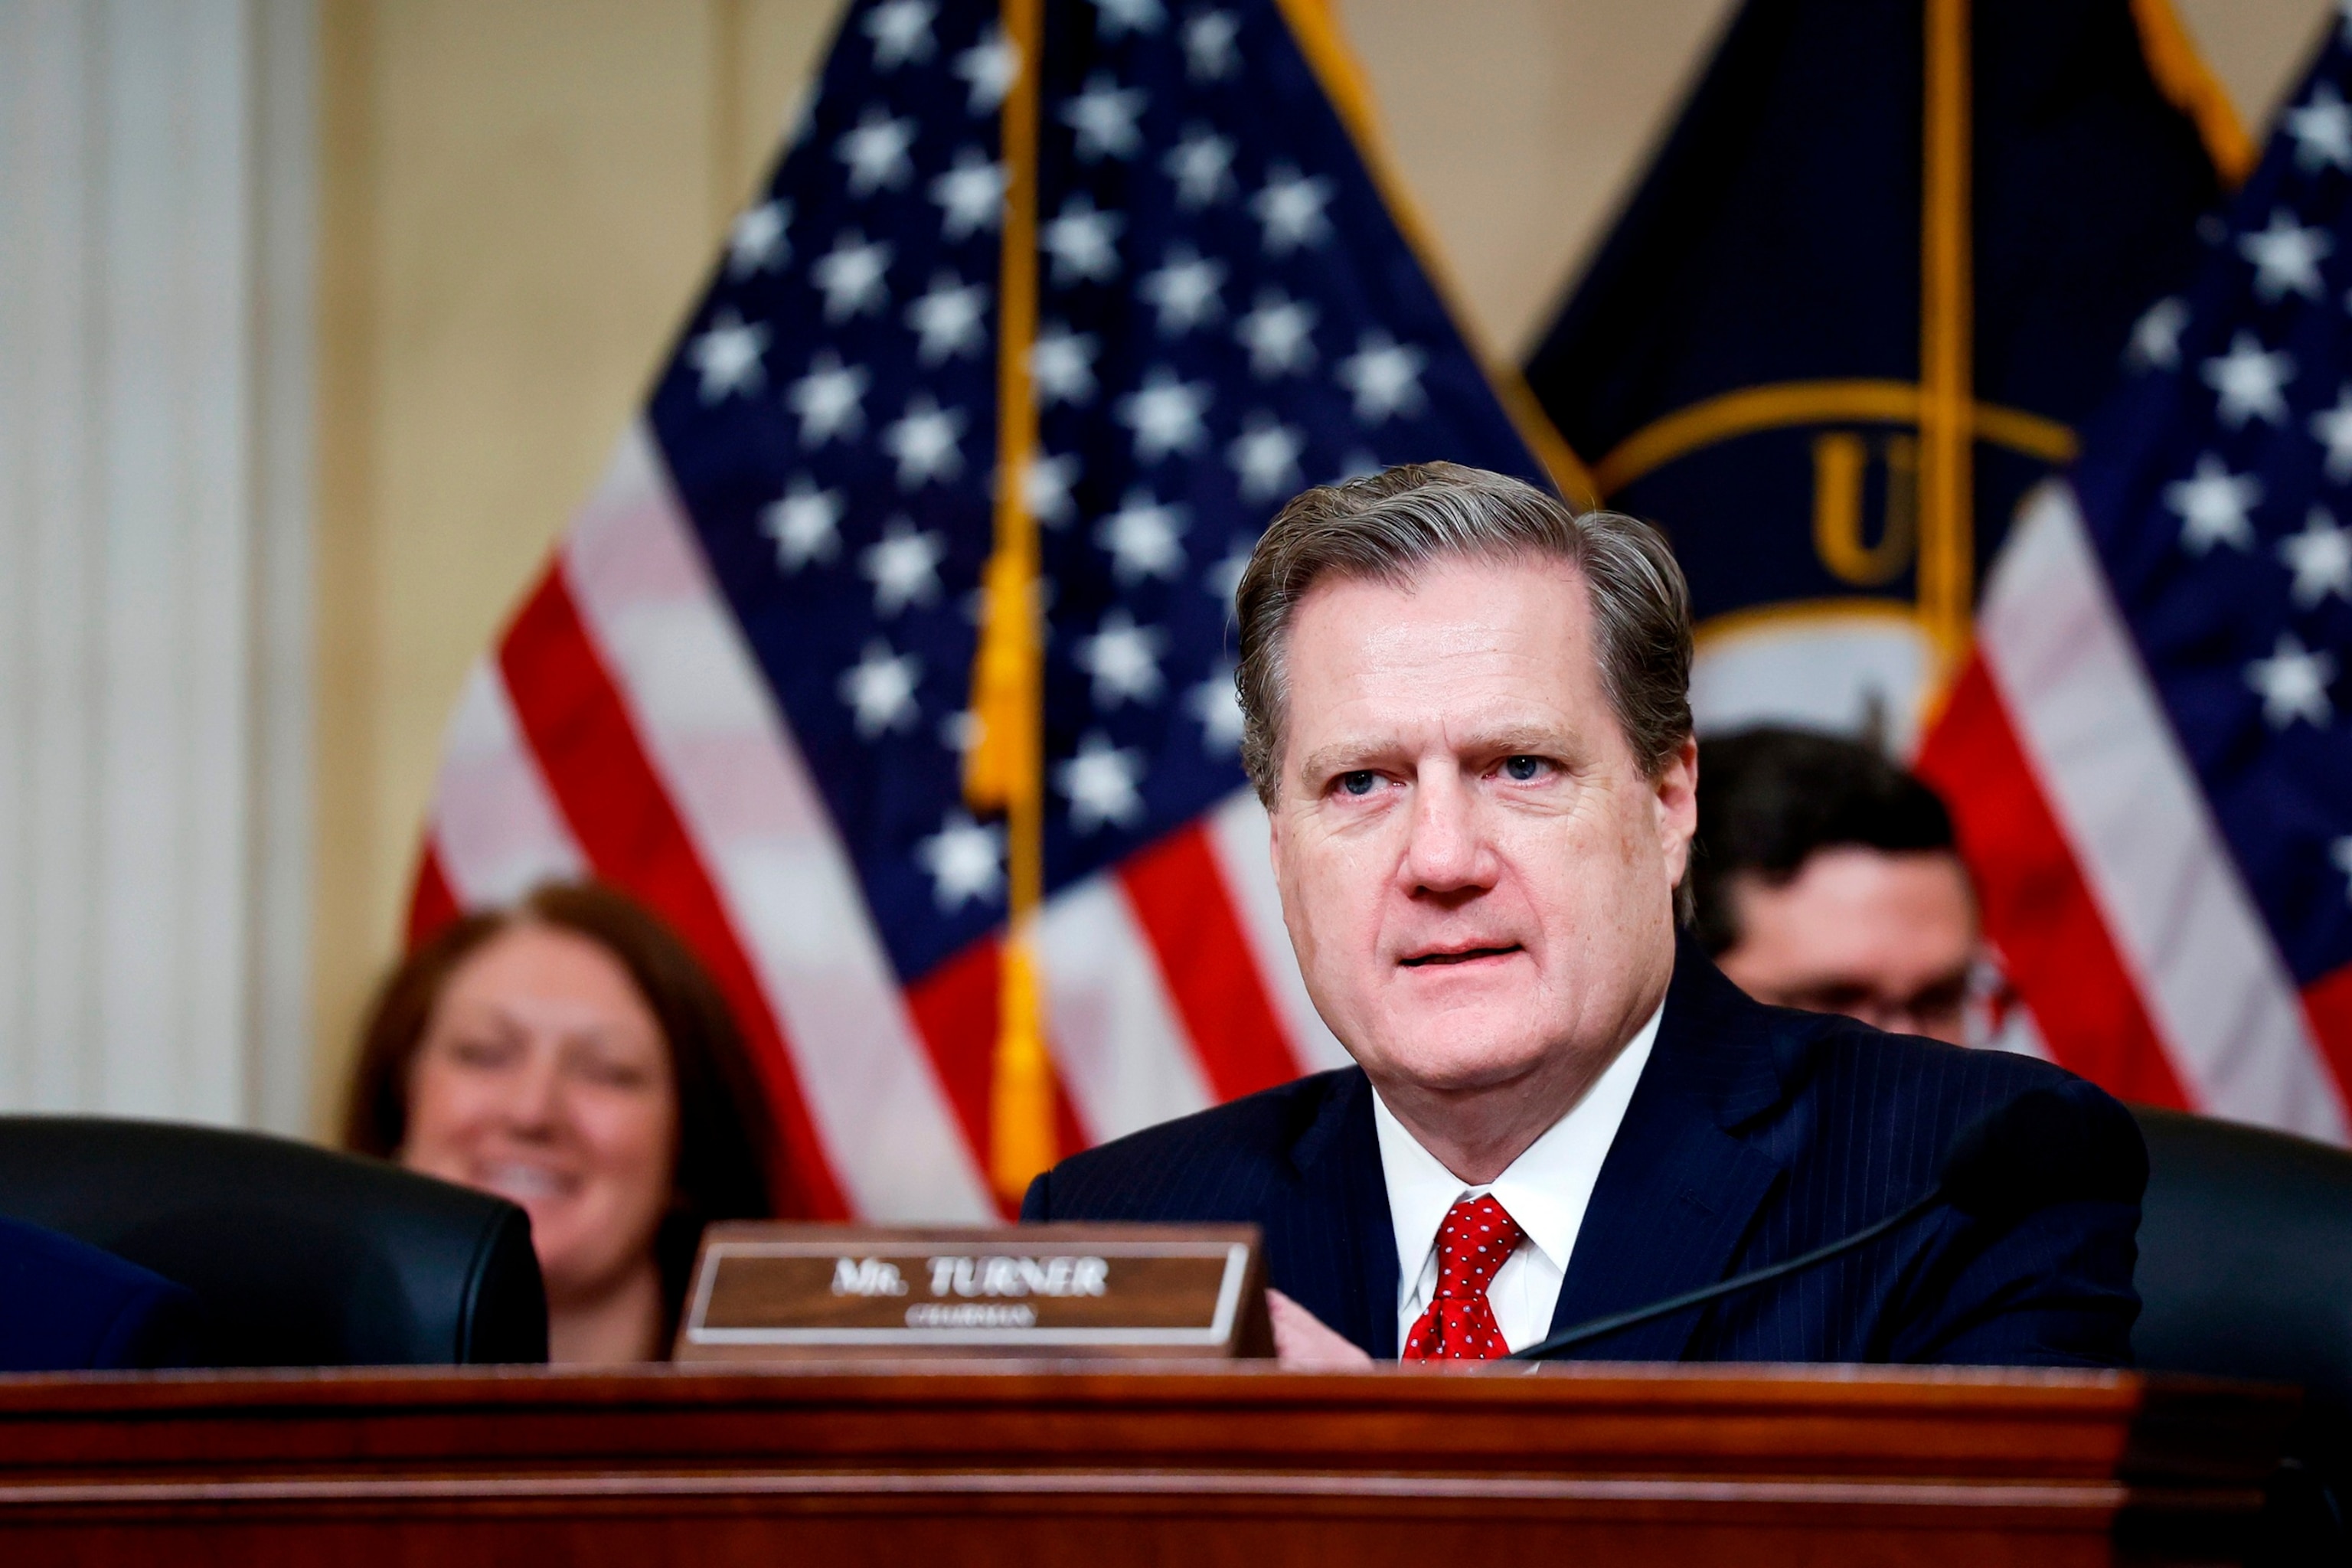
x: 1390, y: 525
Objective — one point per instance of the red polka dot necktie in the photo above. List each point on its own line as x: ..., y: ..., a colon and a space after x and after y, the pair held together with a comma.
x: 1460, y: 1325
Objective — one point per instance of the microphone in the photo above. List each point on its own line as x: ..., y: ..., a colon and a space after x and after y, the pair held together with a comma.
x: 2049, y: 1145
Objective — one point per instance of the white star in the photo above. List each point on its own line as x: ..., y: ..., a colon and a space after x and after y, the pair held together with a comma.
x: 1141, y: 538
x: 1266, y: 457
x: 1202, y: 164
x: 880, y: 690
x: 1045, y: 489
x: 876, y: 153
x: 729, y: 356
x: 1357, y: 465
x: 756, y: 241
x: 949, y: 319
x: 1100, y: 783
x: 1103, y: 115
x: 1124, y: 660
x: 829, y: 400
x: 2212, y: 504
x: 1224, y: 578
x: 2332, y: 429
x: 901, y: 31
x: 924, y: 441
x: 1165, y: 414
x: 1215, y: 704
x: 989, y: 68
x: 2294, y: 684
x: 2251, y: 382
x: 2322, y: 130
x: 1384, y: 375
x: 2343, y: 854
x: 2286, y: 256
x: 960, y: 732
x: 1209, y: 52
x: 903, y: 566
x: 2321, y: 559
x: 1290, y: 209
x: 971, y: 195
x: 804, y: 522
x: 2155, y: 336
x: 1119, y: 18
x: 1062, y: 364
x: 1184, y: 291
x: 852, y: 275
x: 1279, y: 335
x: 1079, y: 241
x: 966, y: 861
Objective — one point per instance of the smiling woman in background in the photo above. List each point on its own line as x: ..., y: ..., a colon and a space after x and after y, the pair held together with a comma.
x: 569, y: 1054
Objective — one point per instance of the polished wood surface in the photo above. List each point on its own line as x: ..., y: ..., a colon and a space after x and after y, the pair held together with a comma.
x: 1192, y: 1464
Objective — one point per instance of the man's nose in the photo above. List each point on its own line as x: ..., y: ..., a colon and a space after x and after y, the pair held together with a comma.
x: 1447, y: 852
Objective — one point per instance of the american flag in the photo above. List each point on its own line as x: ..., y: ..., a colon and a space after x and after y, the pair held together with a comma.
x: 740, y: 688
x: 2151, y: 753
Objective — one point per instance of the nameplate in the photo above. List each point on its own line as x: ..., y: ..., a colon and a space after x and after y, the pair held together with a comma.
x: 769, y: 1291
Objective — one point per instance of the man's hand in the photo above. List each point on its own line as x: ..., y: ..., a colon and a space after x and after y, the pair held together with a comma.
x: 1302, y: 1343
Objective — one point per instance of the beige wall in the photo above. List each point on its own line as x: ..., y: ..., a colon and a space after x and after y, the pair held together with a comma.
x: 520, y: 195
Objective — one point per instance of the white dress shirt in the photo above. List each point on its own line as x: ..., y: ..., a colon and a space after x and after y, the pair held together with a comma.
x: 1545, y: 1190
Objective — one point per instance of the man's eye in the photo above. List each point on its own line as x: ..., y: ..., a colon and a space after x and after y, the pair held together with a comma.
x: 1522, y: 769
x: 1360, y: 781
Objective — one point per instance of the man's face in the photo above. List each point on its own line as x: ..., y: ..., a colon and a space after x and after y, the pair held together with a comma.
x: 1884, y: 938
x: 1476, y: 875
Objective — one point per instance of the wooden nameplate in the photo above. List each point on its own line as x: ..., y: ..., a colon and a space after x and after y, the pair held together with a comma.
x: 771, y: 1291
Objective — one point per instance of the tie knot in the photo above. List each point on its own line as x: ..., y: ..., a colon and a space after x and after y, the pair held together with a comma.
x: 1477, y: 1235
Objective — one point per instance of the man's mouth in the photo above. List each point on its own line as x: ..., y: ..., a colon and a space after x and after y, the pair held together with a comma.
x: 1459, y: 955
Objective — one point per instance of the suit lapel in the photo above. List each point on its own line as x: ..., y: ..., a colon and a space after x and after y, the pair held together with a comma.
x: 1345, y: 1200
x: 1679, y: 1186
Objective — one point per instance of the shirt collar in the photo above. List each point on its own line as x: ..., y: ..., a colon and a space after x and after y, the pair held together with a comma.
x: 1546, y: 1189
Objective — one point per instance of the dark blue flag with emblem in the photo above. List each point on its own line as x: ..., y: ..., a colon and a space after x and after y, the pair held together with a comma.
x: 1008, y: 365
x: 1886, y: 260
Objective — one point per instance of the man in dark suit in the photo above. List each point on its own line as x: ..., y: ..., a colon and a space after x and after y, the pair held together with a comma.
x: 65, y: 1306
x: 1466, y: 710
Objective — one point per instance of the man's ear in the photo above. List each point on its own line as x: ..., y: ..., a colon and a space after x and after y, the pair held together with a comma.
x: 1677, y: 790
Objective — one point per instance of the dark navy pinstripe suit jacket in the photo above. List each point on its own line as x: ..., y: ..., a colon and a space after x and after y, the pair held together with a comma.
x: 1755, y: 1133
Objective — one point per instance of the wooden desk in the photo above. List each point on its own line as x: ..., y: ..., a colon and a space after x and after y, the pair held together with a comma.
x: 1187, y: 1466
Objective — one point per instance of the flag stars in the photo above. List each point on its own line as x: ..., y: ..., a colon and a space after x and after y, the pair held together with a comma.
x: 2342, y: 852
x: 2293, y: 683
x: 1141, y: 539
x: 1210, y: 54
x: 1202, y: 164
x: 804, y: 522
x: 925, y: 442
x: 853, y: 277
x: 1185, y: 292
x: 729, y: 356
x: 2155, y: 336
x: 1265, y: 457
x: 2250, y: 383
x: 876, y: 153
x: 965, y: 860
x: 2332, y: 427
x: 1219, y: 711
x: 1082, y: 242
x: 988, y: 69
x: 1045, y: 489
x: 2321, y: 559
x: 1278, y: 332
x: 829, y: 400
x: 755, y: 242
x: 904, y: 567
x: 880, y: 690
x: 1224, y: 578
x: 970, y: 196
x: 2213, y: 505
x: 1061, y: 364
x: 1166, y: 415
x: 901, y: 31
x: 1102, y: 784
x: 1123, y: 660
x: 949, y: 321
x: 1384, y: 376
x: 2322, y: 130
x: 1117, y: 18
x: 1103, y: 115
x: 1289, y: 210
x: 2286, y: 258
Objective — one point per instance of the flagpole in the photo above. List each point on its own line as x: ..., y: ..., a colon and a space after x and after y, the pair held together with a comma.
x: 1946, y: 340
x: 1004, y: 769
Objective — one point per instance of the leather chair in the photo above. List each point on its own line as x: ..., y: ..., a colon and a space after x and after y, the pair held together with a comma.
x: 2245, y: 1270
x: 297, y: 1257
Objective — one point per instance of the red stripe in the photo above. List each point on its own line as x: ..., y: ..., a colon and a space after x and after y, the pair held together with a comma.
x: 954, y: 1009
x: 2327, y: 1004
x: 431, y: 903
x: 1180, y: 901
x: 2038, y: 909
x: 572, y: 716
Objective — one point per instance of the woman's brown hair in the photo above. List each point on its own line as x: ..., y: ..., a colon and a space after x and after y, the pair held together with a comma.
x: 726, y: 1141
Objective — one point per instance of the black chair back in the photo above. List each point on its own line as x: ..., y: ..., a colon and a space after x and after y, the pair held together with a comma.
x: 297, y: 1257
